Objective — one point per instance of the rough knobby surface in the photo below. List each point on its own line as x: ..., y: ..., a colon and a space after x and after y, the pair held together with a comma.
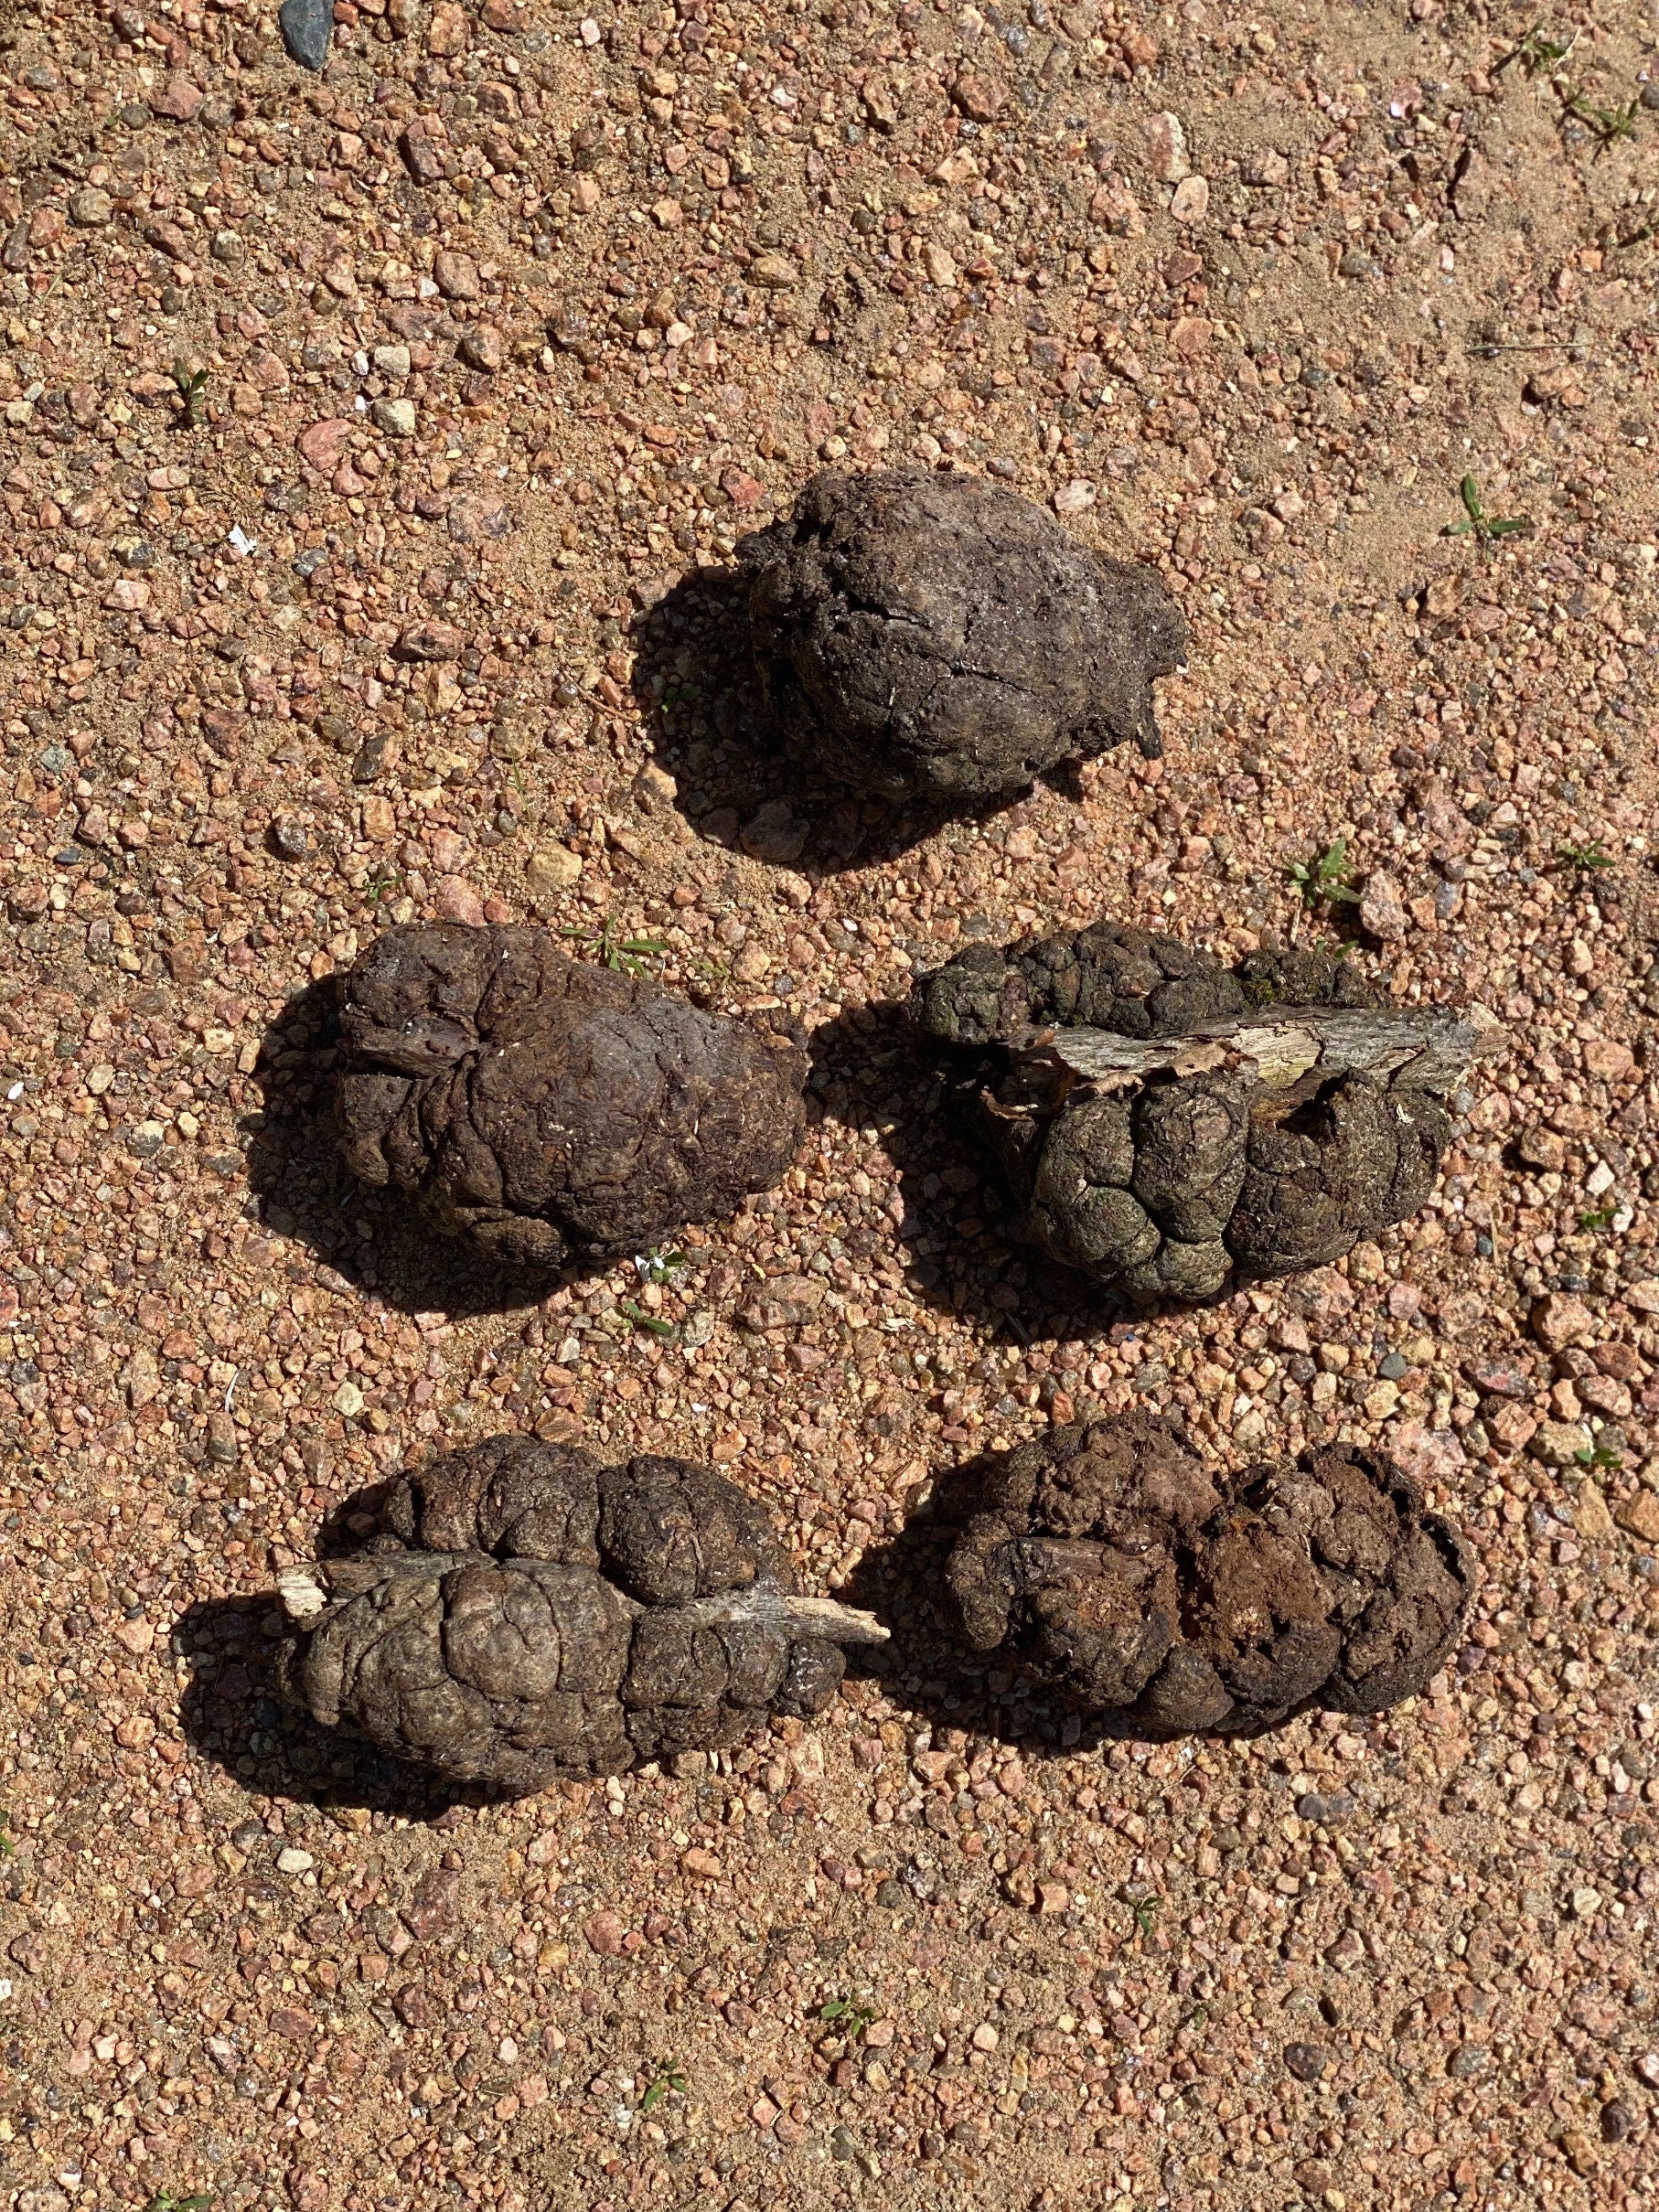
x: 544, y: 1107
x: 1119, y: 1568
x: 1114, y: 976
x: 530, y: 1613
x: 1260, y: 1120
x: 935, y: 636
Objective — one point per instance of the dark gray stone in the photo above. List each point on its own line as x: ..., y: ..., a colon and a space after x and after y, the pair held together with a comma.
x: 307, y: 29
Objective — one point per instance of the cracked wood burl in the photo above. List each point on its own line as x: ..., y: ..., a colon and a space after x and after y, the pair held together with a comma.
x: 544, y: 1108
x: 935, y: 636
x: 528, y: 1614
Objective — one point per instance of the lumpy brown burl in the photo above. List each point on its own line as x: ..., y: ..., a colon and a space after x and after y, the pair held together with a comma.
x: 527, y: 1613
x: 545, y: 1108
x: 1116, y: 1565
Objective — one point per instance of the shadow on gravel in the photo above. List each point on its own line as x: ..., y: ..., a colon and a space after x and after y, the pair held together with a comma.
x: 925, y: 1668
x: 351, y: 1524
x: 230, y: 1713
x: 967, y: 1254
x: 376, y: 1239
x: 741, y: 785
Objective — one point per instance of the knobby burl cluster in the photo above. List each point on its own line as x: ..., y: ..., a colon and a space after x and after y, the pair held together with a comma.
x: 1118, y: 1567
x: 933, y: 635
x: 1168, y: 1124
x: 529, y: 1613
x: 543, y: 1107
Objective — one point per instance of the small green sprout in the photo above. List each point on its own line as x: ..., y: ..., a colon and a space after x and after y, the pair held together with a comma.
x: 627, y: 955
x: 847, y: 2017
x: 1145, y: 1910
x: 198, y: 2200
x: 1539, y: 56
x: 190, y: 385
x: 380, y: 885
x: 1329, y: 877
x: 1606, y: 126
x: 8, y: 1850
x: 632, y: 953
x: 1487, y: 528
x: 1604, y: 1218
x: 1586, y: 859
x: 667, y: 2076
x: 661, y: 1264
x: 1602, y: 1455
x: 641, y: 1319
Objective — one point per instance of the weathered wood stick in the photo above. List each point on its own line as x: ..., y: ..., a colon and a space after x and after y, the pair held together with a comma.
x: 1427, y: 1051
x: 307, y: 1592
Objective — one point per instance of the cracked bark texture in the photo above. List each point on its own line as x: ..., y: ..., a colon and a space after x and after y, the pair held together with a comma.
x: 936, y: 636
x: 1263, y: 1118
x: 1113, y: 1564
x: 527, y: 1613
x: 543, y: 1107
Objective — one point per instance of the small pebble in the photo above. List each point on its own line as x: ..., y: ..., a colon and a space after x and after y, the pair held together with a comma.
x: 308, y: 28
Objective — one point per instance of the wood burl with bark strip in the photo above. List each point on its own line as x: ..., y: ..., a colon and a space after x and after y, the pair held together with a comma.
x: 527, y: 1613
x: 1169, y: 1125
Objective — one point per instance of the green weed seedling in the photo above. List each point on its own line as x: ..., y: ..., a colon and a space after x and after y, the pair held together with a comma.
x: 1603, y: 1455
x: 191, y: 386
x: 651, y: 1322
x: 8, y: 1850
x: 1539, y: 56
x: 667, y: 2076
x: 1486, y: 528
x: 1606, y: 126
x: 163, y: 2200
x: 631, y: 954
x: 1329, y: 877
x: 661, y: 1264
x: 627, y: 955
x: 847, y: 2017
x: 1604, y: 1218
x: 1584, y: 860
x: 380, y: 885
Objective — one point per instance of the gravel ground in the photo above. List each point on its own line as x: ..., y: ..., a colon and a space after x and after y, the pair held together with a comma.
x: 512, y: 320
